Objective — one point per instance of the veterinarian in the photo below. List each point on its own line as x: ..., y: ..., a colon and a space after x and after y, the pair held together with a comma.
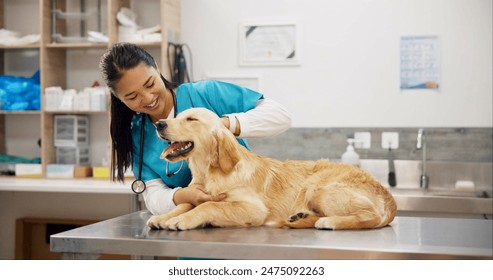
x: 141, y: 96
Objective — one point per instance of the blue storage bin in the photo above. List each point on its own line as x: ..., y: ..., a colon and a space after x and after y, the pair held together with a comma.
x: 20, y: 93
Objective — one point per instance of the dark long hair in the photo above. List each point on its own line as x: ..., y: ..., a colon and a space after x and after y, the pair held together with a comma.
x: 113, y: 64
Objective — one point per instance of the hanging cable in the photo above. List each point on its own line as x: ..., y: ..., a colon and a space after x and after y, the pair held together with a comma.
x: 177, y: 63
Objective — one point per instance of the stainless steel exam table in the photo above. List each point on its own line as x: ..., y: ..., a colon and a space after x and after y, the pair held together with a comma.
x: 406, y: 238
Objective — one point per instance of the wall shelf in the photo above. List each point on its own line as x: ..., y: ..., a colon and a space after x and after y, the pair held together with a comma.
x: 55, y: 60
x: 20, y: 47
x: 20, y: 112
x: 77, y: 45
x: 75, y: 112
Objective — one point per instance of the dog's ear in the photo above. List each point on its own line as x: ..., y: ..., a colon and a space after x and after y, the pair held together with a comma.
x: 225, y: 155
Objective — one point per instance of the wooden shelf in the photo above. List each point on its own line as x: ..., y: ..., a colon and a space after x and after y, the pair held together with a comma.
x: 153, y: 44
x: 54, y: 58
x: 20, y: 112
x: 95, y: 45
x: 76, y: 112
x: 21, y: 47
x: 77, y: 45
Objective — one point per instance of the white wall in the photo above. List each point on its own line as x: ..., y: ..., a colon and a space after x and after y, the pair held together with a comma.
x: 349, y: 72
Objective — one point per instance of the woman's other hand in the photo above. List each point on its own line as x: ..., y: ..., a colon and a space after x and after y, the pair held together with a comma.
x: 195, y: 194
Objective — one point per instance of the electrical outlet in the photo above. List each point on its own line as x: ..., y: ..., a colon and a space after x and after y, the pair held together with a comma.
x: 362, y: 140
x: 390, y: 140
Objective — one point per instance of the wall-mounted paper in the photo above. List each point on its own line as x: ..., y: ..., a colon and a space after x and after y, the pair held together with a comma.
x: 420, y: 62
x: 269, y: 44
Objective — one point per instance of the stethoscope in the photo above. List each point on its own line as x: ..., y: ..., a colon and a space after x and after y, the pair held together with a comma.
x: 139, y: 186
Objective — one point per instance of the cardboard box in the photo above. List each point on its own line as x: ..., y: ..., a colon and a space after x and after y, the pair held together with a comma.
x: 82, y: 171
x: 60, y: 171
x: 101, y: 172
x: 28, y: 170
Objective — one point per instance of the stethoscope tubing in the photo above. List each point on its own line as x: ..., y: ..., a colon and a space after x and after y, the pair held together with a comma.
x: 138, y: 185
x: 169, y: 174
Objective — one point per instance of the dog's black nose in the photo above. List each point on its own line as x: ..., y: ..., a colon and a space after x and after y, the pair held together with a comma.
x: 161, y: 125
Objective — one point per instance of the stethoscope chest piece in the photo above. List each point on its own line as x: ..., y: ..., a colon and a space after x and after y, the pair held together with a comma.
x: 138, y: 186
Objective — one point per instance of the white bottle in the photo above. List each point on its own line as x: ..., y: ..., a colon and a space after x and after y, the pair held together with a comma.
x: 350, y: 156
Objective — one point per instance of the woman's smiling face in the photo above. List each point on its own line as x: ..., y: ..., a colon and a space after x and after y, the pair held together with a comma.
x: 142, y: 90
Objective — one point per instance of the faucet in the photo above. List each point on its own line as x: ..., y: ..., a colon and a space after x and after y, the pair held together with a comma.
x: 421, y: 145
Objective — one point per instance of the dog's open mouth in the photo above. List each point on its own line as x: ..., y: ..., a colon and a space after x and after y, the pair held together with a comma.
x: 176, y: 149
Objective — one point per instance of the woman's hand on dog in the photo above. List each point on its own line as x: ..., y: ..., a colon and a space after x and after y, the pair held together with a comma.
x: 195, y: 194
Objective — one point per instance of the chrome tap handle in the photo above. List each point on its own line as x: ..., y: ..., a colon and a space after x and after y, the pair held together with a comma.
x: 420, y: 139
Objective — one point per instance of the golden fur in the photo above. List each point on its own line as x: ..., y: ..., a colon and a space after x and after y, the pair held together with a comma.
x: 265, y: 191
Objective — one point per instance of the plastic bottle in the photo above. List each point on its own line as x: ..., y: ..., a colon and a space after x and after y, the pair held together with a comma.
x: 350, y: 156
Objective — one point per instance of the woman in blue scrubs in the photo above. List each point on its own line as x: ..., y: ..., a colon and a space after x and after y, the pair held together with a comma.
x: 140, y: 91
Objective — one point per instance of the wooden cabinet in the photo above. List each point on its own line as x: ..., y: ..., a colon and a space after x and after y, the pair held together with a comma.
x: 60, y: 62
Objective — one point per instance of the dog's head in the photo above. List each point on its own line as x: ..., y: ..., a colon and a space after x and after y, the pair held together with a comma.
x: 198, y: 132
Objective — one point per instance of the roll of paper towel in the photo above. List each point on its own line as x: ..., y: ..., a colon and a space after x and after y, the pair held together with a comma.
x: 464, y: 185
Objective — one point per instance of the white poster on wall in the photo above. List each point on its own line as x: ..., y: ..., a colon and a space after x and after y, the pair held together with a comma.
x: 269, y: 44
x: 420, y: 62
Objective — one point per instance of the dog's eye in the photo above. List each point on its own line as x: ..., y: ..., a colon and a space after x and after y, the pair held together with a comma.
x: 190, y: 119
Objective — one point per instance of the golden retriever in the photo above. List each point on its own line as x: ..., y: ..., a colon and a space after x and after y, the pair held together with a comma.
x: 264, y: 191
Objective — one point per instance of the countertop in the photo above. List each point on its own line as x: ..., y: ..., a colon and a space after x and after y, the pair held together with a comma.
x: 88, y: 185
x: 407, y: 199
x: 406, y: 238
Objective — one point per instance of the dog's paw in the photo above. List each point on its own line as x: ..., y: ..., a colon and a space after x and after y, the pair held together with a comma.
x: 156, y: 222
x: 181, y: 223
x: 325, y: 223
x: 297, y: 216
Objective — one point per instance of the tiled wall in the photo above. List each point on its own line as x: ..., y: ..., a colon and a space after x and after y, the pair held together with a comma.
x: 443, y: 144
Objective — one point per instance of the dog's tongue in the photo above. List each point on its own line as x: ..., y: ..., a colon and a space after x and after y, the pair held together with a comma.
x: 173, y: 147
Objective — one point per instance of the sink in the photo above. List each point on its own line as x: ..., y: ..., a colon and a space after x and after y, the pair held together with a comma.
x: 441, y: 198
x: 443, y: 177
x: 442, y: 204
x: 477, y: 192
x: 441, y: 192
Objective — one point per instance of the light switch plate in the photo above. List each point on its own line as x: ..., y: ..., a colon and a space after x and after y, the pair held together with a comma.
x: 390, y: 140
x: 362, y: 140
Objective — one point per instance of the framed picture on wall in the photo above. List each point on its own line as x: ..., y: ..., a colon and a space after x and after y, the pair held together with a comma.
x: 269, y: 44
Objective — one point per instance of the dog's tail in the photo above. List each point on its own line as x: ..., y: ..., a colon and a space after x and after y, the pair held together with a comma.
x: 300, y: 220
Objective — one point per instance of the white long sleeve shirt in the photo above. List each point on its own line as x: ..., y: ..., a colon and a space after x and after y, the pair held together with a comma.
x: 268, y: 118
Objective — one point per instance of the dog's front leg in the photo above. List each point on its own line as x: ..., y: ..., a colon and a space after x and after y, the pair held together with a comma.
x: 158, y: 221
x: 220, y: 214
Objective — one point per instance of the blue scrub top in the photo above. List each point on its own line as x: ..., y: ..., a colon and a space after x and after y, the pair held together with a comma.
x: 219, y: 97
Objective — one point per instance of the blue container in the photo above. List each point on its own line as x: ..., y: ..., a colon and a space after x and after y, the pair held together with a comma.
x: 20, y: 93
